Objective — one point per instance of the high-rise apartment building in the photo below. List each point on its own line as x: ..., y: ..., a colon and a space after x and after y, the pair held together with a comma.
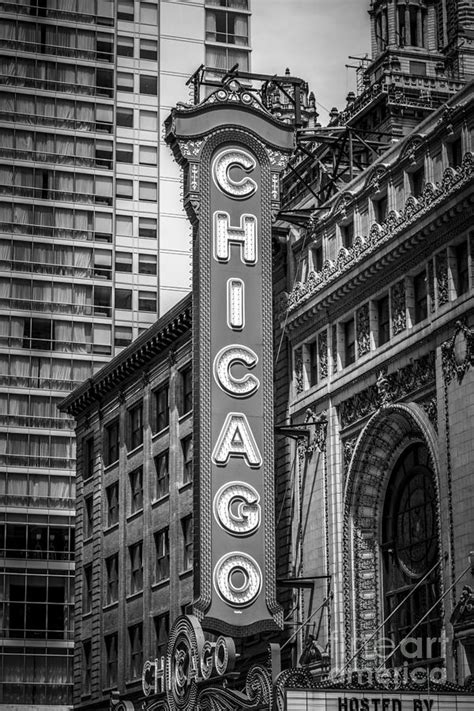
x: 93, y: 245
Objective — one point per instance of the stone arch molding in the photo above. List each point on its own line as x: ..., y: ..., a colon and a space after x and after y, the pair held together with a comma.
x: 389, y: 431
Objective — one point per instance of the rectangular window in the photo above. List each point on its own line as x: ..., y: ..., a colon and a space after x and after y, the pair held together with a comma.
x: 123, y: 262
x: 148, y: 120
x: 102, y: 264
x: 313, y: 363
x: 162, y: 546
x: 88, y: 516
x: 455, y: 153
x: 147, y: 191
x: 111, y: 442
x: 124, y: 81
x: 135, y: 425
x: 123, y: 299
x: 161, y: 418
x: 186, y: 390
x: 124, y: 153
x: 148, y: 155
x: 124, y: 117
x: 162, y: 481
x: 147, y: 227
x: 383, y: 318
x: 148, y: 84
x: 147, y: 301
x: 124, y: 189
x: 87, y: 589
x: 380, y: 209
x: 124, y: 46
x: 135, y: 636
x: 187, y: 531
x: 136, y: 490
x: 125, y: 10
x: 162, y: 630
x: 136, y: 568
x: 147, y: 263
x: 187, y: 452
x: 462, y: 268
x: 111, y: 568
x: 124, y: 225
x: 86, y: 667
x: 102, y: 300
x: 347, y: 234
x: 149, y: 49
x: 417, y: 181
x: 123, y: 335
x: 420, y: 295
x: 103, y: 154
x: 88, y: 457
x: 227, y: 27
x: 317, y: 258
x: 112, y: 496
x: 149, y: 13
x: 349, y: 342
x: 111, y: 658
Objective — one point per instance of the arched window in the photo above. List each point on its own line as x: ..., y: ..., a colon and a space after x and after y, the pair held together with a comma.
x: 409, y: 552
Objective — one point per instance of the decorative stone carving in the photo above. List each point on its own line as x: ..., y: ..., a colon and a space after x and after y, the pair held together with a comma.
x: 458, y: 353
x: 298, y: 356
x: 334, y: 348
x: 191, y: 149
x: 442, y: 277
x: 348, y: 450
x: 318, y: 434
x: 398, y: 301
x: 430, y: 406
x: 323, y: 354
x: 431, y: 289
x: 463, y: 614
x: 363, y: 330
x: 388, y: 388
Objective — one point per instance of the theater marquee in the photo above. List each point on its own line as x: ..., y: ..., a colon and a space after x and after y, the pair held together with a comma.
x: 232, y: 152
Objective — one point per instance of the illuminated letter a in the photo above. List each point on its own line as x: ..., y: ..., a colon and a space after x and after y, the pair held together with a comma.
x: 236, y: 440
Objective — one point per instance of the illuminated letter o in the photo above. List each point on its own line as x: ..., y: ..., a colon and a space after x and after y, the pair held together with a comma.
x: 237, y: 579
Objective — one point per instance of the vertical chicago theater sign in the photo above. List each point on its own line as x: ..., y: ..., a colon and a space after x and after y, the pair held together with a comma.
x: 233, y: 152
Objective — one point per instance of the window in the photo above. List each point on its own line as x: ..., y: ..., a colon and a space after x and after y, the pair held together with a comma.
x: 186, y: 390
x: 148, y: 49
x: 102, y: 264
x: 187, y: 451
x: 147, y: 301
x: 147, y: 227
x: 383, y: 320
x: 135, y: 424
x: 225, y: 58
x: 162, y: 545
x: 124, y: 117
x: 418, y: 68
x: 123, y: 299
x: 417, y: 181
x: 148, y: 155
x: 349, y: 342
x: 87, y: 589
x: 124, y: 225
x: 160, y: 418
x: 162, y: 481
x: 124, y: 189
x: 124, y: 153
x: 111, y: 442
x: 147, y: 191
x: 88, y: 457
x: 420, y: 297
x: 112, y: 496
x: 124, y: 81
x: 147, y: 263
x: 187, y: 530
x: 148, y: 120
x: 236, y: 4
x: 227, y: 27
x: 111, y: 569
x: 135, y: 636
x: 103, y: 154
x: 317, y: 258
x: 380, y: 209
x: 162, y: 630
x: 136, y: 568
x: 86, y: 667
x: 455, y: 153
x: 111, y: 657
x: 347, y: 234
x: 125, y: 10
x: 409, y: 551
x: 124, y: 46
x: 123, y: 335
x: 148, y: 84
x: 123, y: 263
x: 313, y: 363
x: 88, y: 516
x: 102, y: 300
x: 136, y: 490
x: 462, y: 268
x: 38, y: 334
x: 149, y: 13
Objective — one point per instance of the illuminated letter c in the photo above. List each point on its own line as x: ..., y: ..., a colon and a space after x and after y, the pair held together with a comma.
x: 227, y: 357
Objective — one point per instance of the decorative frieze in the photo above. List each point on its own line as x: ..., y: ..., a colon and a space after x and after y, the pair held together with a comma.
x: 458, y: 353
x: 298, y: 366
x: 323, y: 354
x: 363, y: 330
x: 399, y: 311
x: 387, y: 389
x: 334, y: 348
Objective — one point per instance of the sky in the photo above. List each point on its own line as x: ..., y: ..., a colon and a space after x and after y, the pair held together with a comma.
x: 313, y: 38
